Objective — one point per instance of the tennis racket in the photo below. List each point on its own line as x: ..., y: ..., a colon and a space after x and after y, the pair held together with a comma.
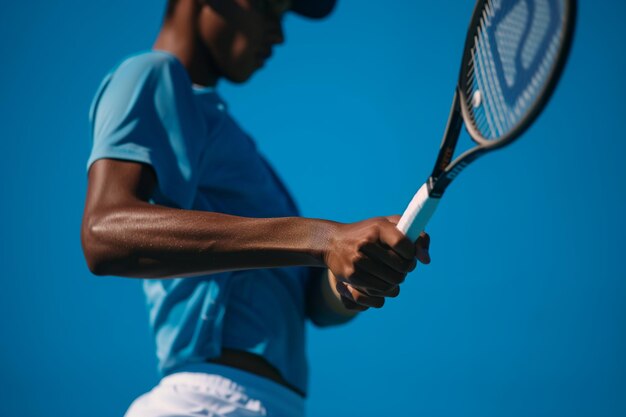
x: 515, y: 51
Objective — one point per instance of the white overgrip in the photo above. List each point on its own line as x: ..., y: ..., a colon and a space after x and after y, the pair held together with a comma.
x: 418, y: 213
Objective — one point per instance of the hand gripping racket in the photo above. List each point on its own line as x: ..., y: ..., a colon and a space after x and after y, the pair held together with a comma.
x: 514, y: 54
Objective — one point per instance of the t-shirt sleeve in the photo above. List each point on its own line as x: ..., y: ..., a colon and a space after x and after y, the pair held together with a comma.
x: 144, y: 112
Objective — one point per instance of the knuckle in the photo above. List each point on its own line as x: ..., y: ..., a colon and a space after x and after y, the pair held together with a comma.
x: 371, y: 236
x: 411, y: 265
x: 396, y: 242
x: 358, y: 259
x: 371, y: 239
x: 349, y: 271
x: 386, y: 224
x: 395, y: 277
x: 367, y: 291
x: 375, y: 290
x: 383, y: 290
x: 381, y: 222
x: 400, y: 278
x: 410, y: 246
x: 395, y: 292
x: 406, y: 249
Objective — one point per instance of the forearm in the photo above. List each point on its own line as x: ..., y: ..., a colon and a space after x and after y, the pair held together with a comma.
x: 152, y: 241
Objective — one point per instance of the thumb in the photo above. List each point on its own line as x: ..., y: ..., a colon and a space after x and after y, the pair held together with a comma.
x: 422, y: 245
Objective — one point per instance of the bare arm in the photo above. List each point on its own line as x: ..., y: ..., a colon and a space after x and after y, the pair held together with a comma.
x: 123, y: 234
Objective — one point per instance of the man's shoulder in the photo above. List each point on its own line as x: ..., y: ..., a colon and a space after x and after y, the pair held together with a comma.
x: 138, y: 78
x: 155, y: 63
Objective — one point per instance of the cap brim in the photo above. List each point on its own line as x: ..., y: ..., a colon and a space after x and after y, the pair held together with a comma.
x: 313, y: 9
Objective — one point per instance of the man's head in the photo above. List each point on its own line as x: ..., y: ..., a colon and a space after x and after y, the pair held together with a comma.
x: 237, y: 36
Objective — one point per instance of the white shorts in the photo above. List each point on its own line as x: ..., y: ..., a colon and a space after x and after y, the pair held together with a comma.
x: 211, y: 390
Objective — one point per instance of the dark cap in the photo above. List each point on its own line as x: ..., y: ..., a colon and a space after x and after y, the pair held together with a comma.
x: 314, y: 9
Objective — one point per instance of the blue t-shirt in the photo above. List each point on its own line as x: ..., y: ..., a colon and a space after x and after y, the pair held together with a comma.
x: 147, y: 110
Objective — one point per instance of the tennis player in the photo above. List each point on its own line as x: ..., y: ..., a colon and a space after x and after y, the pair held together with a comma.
x: 179, y: 195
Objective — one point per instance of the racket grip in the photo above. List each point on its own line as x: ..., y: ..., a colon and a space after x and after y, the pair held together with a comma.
x: 418, y: 213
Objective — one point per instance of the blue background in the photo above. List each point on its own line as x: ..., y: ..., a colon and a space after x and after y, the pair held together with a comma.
x: 522, y: 311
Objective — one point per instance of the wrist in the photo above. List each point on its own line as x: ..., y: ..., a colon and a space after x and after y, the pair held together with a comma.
x: 322, y: 233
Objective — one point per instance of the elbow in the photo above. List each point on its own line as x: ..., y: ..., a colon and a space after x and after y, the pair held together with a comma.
x: 97, y: 266
x: 96, y: 262
x: 100, y: 255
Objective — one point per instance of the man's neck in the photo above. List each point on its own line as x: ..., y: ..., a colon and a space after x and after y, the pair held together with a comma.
x: 179, y: 38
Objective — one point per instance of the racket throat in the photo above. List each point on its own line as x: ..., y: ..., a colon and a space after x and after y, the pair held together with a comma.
x: 438, y: 186
x: 450, y: 138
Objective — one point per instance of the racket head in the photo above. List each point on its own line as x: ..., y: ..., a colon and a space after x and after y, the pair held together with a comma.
x: 515, y: 52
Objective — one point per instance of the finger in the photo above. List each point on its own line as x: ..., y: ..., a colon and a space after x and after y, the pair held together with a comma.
x: 393, y: 292
x: 378, y: 271
x: 351, y: 305
x: 367, y: 281
x: 397, y: 241
x: 365, y: 300
x: 422, y: 245
x: 389, y: 258
x: 346, y: 298
x: 423, y: 240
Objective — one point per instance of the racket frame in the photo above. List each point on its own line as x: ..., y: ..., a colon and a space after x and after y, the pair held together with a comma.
x: 446, y: 169
x: 425, y: 201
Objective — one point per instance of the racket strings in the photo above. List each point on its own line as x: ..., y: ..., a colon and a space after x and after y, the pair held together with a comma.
x: 515, y: 47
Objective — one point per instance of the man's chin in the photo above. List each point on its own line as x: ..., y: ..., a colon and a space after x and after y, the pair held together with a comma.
x: 239, y: 78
